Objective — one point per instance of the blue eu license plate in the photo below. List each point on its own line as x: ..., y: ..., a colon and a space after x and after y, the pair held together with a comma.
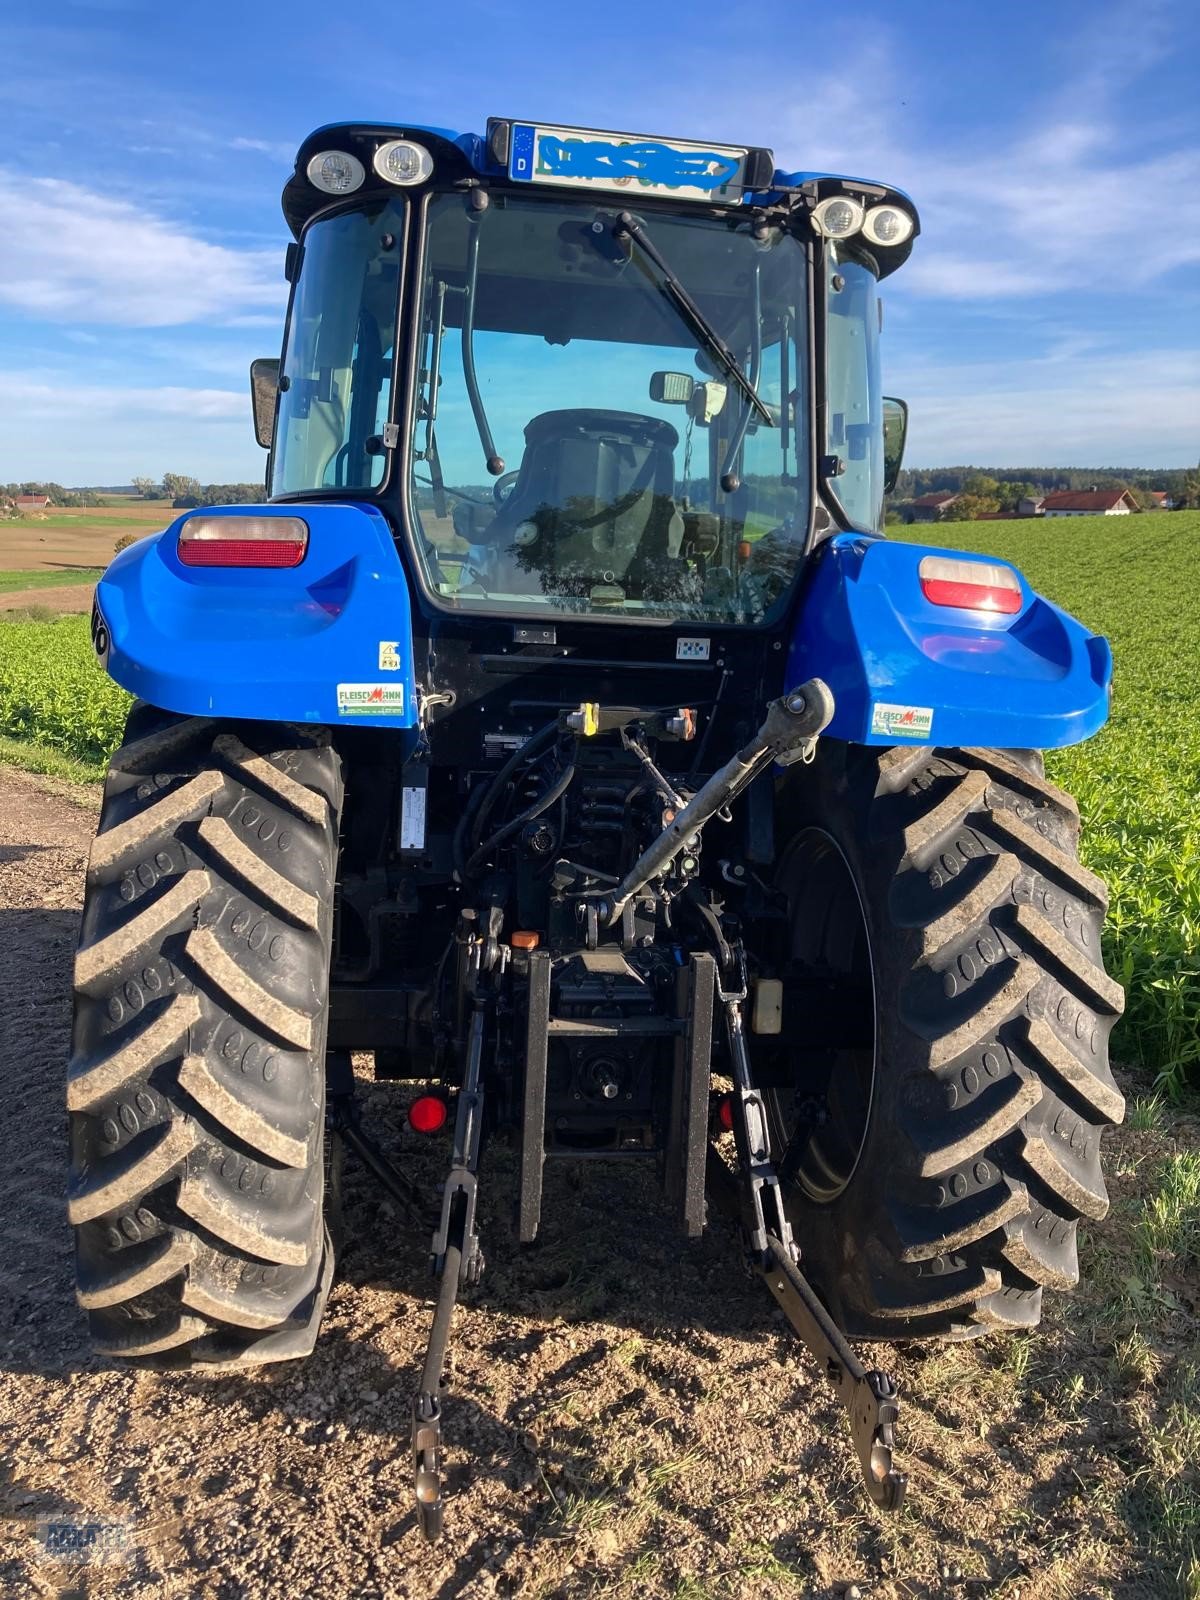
x: 626, y: 163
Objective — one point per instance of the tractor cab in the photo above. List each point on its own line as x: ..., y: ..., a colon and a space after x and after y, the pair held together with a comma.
x: 588, y: 374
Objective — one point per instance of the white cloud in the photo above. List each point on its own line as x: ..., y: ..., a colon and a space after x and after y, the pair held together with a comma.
x: 1054, y: 211
x: 276, y: 149
x: 1077, y: 194
x: 51, y: 427
x: 1072, y: 408
x: 72, y: 255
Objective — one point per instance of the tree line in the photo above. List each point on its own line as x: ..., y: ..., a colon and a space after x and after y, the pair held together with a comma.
x: 54, y: 492
x: 185, y: 493
x: 1003, y: 488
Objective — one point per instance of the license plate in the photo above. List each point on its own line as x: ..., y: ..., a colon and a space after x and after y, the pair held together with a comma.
x: 626, y: 163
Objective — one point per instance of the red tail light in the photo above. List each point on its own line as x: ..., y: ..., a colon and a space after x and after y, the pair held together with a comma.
x: 427, y: 1113
x: 243, y: 542
x: 970, y: 585
x: 725, y: 1112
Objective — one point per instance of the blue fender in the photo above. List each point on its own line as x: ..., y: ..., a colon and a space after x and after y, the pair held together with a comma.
x: 902, y: 669
x: 329, y: 641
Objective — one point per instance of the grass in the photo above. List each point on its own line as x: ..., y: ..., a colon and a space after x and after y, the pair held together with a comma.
x: 54, y: 699
x: 15, y: 582
x: 1137, y: 580
x: 40, y: 758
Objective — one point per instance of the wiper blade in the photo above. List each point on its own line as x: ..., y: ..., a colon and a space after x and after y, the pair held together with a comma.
x: 628, y: 227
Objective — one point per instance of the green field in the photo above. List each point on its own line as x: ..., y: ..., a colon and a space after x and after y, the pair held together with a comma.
x: 1137, y: 579
x: 15, y: 582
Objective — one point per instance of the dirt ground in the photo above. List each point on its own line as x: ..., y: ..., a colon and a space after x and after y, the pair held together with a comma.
x: 63, y: 538
x: 628, y: 1416
x: 66, y: 598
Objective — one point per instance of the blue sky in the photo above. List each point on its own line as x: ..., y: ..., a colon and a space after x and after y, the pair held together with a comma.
x: 1050, y: 313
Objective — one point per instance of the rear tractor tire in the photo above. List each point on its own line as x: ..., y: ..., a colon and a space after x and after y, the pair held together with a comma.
x: 942, y: 1138
x: 196, y: 1081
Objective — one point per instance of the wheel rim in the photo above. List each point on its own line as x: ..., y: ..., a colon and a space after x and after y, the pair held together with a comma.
x: 819, y: 1126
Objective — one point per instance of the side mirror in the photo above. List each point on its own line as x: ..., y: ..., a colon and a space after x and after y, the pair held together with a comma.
x: 264, y: 394
x: 895, y: 431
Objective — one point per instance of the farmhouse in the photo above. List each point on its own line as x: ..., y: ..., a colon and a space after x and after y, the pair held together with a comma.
x: 932, y: 507
x: 1089, y: 503
x: 32, y: 502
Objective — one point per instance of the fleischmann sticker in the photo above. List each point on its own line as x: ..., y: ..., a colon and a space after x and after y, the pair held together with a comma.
x: 370, y: 699
x: 902, y: 722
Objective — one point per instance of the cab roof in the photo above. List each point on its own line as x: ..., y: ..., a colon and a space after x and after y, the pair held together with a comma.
x: 466, y: 156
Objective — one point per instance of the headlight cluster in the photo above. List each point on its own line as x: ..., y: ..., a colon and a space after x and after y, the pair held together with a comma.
x: 838, y: 217
x: 399, y: 161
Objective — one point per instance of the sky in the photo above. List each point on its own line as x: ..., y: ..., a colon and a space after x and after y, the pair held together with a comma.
x: 1049, y: 315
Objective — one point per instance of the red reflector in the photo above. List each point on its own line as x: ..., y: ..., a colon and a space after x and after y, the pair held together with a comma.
x: 725, y: 1112
x: 970, y: 596
x: 241, y: 552
x: 427, y: 1113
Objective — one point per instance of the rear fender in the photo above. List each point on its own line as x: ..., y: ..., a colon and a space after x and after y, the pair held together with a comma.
x: 904, y: 669
x: 329, y: 641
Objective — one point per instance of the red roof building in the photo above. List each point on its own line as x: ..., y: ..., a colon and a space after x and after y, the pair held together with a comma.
x: 32, y: 502
x: 1089, y: 503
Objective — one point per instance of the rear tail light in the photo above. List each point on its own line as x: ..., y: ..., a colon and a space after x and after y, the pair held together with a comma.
x: 427, y: 1113
x: 970, y: 585
x: 243, y: 542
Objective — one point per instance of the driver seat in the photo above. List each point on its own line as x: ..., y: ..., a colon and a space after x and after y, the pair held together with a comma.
x: 599, y: 486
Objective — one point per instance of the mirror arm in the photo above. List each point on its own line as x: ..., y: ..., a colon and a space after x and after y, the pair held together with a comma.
x: 495, y: 463
x: 728, y: 478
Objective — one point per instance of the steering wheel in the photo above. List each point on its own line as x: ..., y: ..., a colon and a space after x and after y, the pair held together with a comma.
x: 504, y: 486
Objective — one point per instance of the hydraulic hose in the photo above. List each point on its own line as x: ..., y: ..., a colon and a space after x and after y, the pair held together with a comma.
x: 556, y: 790
x: 525, y: 752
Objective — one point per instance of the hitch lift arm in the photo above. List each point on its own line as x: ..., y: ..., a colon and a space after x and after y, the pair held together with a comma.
x: 871, y: 1399
x: 458, y: 1260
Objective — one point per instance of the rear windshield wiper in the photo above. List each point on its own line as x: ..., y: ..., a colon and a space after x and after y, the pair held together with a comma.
x: 628, y: 227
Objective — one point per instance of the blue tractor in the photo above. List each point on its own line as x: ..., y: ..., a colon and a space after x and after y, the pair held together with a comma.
x: 563, y: 731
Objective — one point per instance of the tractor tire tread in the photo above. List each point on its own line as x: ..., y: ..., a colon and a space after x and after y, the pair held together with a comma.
x: 196, y: 1081
x: 984, y: 1147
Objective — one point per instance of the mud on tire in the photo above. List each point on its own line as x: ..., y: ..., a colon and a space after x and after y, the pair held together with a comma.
x: 992, y: 1013
x: 196, y: 1080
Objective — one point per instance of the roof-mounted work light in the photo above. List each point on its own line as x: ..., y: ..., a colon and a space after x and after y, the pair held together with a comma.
x: 887, y: 225
x: 403, y: 161
x: 837, y: 217
x: 336, y: 172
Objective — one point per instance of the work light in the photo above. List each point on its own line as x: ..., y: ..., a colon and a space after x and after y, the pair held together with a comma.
x: 887, y: 225
x: 336, y: 172
x: 403, y: 162
x: 837, y: 217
